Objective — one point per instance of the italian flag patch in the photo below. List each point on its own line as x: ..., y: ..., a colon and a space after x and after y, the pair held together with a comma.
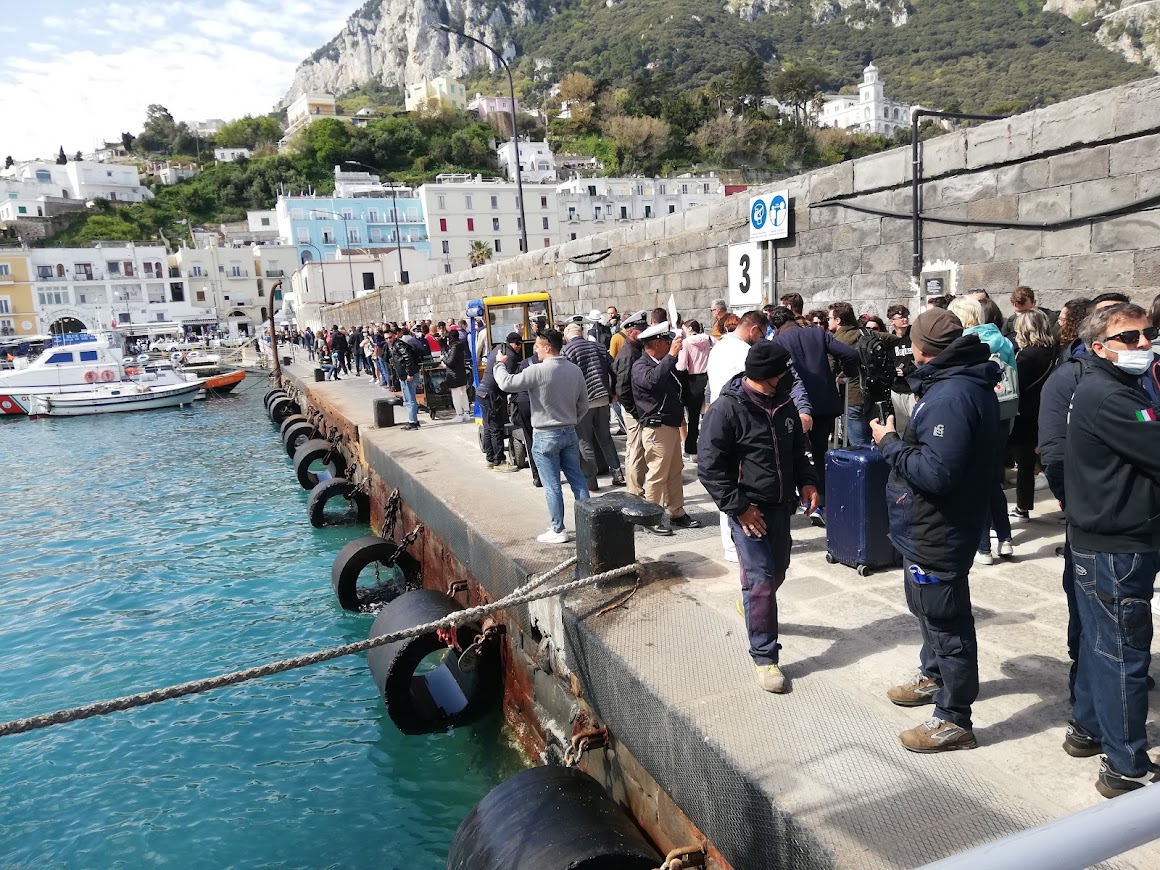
x: 1148, y: 415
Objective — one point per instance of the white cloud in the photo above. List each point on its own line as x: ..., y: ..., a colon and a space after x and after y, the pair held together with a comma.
x: 199, y: 58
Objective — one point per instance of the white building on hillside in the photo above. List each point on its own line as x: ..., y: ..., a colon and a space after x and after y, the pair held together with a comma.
x: 869, y: 112
x: 83, y: 179
x: 236, y: 282
x: 593, y: 205
x: 485, y: 106
x: 230, y: 155
x: 305, y: 110
x: 537, y: 163
x: 461, y: 210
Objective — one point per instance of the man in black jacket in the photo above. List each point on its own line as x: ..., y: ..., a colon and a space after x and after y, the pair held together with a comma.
x: 493, y: 404
x: 1113, y: 459
x: 339, y: 345
x: 751, y: 458
x: 937, y: 511
x: 656, y: 394
x: 634, y: 464
x: 405, y: 362
x: 593, y: 429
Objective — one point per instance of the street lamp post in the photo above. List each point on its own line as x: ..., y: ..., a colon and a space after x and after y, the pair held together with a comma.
x: 321, y: 269
x: 349, y: 267
x: 515, y: 131
x: 394, y: 211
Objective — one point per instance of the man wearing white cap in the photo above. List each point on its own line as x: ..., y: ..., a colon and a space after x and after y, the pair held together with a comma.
x: 634, y: 463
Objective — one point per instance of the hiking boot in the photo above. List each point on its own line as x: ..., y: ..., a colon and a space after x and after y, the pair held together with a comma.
x: 1079, y: 744
x: 770, y: 678
x: 684, y: 521
x: 1111, y: 783
x: 505, y: 467
x: 920, y: 690
x: 937, y: 735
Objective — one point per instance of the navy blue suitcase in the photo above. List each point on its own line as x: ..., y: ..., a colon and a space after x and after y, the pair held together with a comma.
x: 856, y: 517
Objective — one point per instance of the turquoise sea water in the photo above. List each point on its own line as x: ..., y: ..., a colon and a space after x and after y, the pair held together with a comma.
x: 141, y: 550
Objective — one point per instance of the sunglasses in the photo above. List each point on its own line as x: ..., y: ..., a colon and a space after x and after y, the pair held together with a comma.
x: 1132, y: 336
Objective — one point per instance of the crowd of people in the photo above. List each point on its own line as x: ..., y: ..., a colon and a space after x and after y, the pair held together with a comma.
x: 953, y: 401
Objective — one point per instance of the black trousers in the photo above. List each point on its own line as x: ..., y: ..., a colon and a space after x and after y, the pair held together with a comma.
x: 819, y: 437
x: 523, y: 418
x: 693, y: 398
x: 493, y: 408
x: 1025, y: 461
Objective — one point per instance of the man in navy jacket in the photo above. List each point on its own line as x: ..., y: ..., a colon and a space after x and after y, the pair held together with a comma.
x: 937, y: 510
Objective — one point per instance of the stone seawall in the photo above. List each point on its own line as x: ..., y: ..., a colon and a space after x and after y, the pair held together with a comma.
x: 1020, y: 177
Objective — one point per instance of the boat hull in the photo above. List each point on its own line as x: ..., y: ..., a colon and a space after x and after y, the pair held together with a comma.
x: 114, y: 401
x: 220, y: 384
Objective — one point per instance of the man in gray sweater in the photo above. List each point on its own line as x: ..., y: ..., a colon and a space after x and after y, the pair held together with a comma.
x: 559, y: 400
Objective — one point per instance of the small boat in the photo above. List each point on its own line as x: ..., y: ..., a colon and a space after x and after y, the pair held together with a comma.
x: 125, y: 396
x: 216, y: 381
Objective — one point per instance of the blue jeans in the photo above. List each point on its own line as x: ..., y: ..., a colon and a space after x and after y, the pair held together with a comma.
x: 999, y: 520
x: 557, y: 450
x: 310, y: 352
x: 764, y: 562
x: 1114, y: 593
x: 857, y: 428
x: 381, y: 365
x: 409, y: 400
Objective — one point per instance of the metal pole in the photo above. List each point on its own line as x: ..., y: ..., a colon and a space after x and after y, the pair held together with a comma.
x: 277, y: 373
x: 515, y: 132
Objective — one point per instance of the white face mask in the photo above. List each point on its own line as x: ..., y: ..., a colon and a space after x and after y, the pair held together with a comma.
x: 1134, y: 362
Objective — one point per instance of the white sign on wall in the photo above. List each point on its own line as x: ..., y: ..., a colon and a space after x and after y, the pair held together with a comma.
x: 745, y: 275
x: 769, y: 216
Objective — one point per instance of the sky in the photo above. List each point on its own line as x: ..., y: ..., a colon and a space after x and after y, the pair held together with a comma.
x: 75, y: 73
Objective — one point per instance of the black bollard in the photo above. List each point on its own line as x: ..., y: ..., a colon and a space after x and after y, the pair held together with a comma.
x: 286, y: 361
x: 605, y: 528
x: 384, y: 413
x: 319, y: 376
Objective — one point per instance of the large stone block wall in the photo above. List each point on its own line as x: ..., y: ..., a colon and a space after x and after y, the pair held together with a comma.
x: 1086, y: 155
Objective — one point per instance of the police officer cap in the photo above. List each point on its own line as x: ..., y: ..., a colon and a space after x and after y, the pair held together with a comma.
x: 765, y: 361
x: 660, y: 330
x: 635, y: 321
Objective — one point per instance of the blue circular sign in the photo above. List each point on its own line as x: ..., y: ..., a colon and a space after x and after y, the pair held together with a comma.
x: 758, y: 214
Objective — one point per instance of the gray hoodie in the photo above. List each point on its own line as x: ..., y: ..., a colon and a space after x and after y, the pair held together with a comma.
x: 555, y: 388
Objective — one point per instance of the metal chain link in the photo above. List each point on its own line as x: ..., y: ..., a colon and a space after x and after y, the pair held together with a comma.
x: 525, y: 594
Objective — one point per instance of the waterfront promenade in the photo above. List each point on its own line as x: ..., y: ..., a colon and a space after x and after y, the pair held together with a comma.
x: 816, y: 777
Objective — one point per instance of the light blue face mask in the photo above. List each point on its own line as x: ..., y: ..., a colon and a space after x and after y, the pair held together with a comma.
x: 1134, y: 362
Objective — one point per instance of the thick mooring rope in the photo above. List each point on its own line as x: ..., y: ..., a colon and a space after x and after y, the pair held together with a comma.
x: 523, y: 595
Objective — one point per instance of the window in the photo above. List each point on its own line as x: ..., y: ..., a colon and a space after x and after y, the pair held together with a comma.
x: 303, y: 236
x: 60, y: 358
x: 221, y: 270
x: 662, y: 189
x: 640, y: 190
x: 597, y: 212
x: 7, y: 326
x: 347, y: 213
x: 373, y: 216
x: 149, y: 269
x: 543, y: 202
x: 496, y: 247
x: 353, y: 236
x: 176, y: 291
x: 442, y: 225
x: 545, y: 223
x: 684, y: 188
x: 22, y: 209
x: 128, y: 268
x: 368, y: 280
x: 467, y: 201
x: 648, y: 211
x: 200, y: 295
x: 53, y: 297
x: 88, y: 356
x: 592, y: 190
x: 442, y: 200
x: 623, y: 213
x: 375, y: 234
x: 495, y: 225
x: 547, y: 243
x: 495, y: 202
x: 43, y: 175
x: 235, y: 271
x: 672, y: 208
x: 571, y: 212
x: 523, y: 246
x: 265, y: 222
x: 196, y: 272
x: 446, y: 268
x: 572, y: 237
x: 446, y: 247
x: 5, y: 270
x: 43, y: 272
x: 328, y: 237
x: 471, y: 225
x: 83, y: 270
x: 5, y: 305
x: 704, y: 188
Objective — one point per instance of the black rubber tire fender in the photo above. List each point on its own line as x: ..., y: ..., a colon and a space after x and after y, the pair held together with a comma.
x: 407, y: 698
x: 359, y: 503
x: 280, y: 409
x: 314, y: 450
x: 349, y: 564
x: 297, y: 435
x: 270, y: 394
x: 288, y: 422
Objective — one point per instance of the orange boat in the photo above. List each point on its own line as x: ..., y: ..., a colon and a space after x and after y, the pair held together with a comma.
x: 218, y: 384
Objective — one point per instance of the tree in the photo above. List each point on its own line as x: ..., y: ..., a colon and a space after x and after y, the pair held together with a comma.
x: 716, y: 93
x: 729, y: 140
x: 127, y: 141
x: 8, y: 161
x: 61, y: 159
x: 798, y: 86
x: 640, y: 142
x: 78, y: 156
x: 579, y: 92
x: 249, y: 132
x: 479, y: 254
x: 326, y: 141
x: 748, y: 86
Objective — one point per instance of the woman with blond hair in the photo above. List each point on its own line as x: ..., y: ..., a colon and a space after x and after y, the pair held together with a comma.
x: 1037, y: 356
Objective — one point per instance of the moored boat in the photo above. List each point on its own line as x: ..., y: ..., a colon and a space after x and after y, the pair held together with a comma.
x: 218, y: 381
x: 124, y: 396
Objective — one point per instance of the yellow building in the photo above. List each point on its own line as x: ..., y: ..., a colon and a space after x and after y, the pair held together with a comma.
x: 17, y: 313
x: 443, y: 89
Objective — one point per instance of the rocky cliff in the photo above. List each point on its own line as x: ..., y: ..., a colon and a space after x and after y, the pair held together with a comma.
x: 394, y: 41
x: 1131, y: 27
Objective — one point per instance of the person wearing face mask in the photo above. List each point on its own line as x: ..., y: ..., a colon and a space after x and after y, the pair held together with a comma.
x: 751, y: 459
x: 1112, y: 457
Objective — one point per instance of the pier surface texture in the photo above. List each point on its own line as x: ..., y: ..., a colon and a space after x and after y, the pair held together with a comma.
x: 815, y: 778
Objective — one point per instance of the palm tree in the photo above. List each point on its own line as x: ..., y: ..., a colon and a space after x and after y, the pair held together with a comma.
x: 715, y: 92
x: 479, y: 254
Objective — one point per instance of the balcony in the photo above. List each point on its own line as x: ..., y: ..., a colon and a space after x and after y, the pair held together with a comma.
x: 275, y: 273
x: 243, y: 273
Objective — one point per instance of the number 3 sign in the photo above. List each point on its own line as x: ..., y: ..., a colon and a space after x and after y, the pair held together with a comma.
x: 745, y: 275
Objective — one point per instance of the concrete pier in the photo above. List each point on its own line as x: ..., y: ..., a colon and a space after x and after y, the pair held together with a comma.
x: 815, y: 778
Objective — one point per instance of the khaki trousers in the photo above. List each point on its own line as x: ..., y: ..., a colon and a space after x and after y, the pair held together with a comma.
x: 662, y: 453
x: 634, y: 462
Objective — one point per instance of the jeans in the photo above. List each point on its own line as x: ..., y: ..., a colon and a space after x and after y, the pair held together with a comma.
x: 381, y: 365
x: 1074, y: 626
x: 409, y: 400
x: 310, y: 352
x: 557, y: 450
x: 1114, y: 593
x: 619, y: 412
x: 858, y: 428
x: 764, y: 562
x: 949, y: 653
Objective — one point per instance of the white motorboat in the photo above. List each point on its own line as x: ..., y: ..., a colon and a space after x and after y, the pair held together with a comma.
x: 124, y: 396
x: 75, y: 363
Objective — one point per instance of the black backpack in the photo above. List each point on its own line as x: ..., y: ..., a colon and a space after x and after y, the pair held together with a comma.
x: 876, y: 364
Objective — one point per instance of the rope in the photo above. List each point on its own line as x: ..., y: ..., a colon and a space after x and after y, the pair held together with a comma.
x: 523, y: 595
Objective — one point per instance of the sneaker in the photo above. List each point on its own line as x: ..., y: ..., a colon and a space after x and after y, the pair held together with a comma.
x: 770, y: 678
x: 537, y: 482
x: 1019, y: 516
x: 1111, y: 783
x: 920, y: 690
x: 1005, y: 549
x: 490, y: 465
x: 618, y: 478
x: 410, y: 426
x: 684, y: 521
x: 1059, y: 552
x: 505, y: 467
x: 817, y: 518
x: 1079, y: 744
x: 984, y: 558
x: 937, y: 735
x: 553, y: 537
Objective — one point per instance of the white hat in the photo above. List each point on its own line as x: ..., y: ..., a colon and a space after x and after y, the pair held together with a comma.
x: 596, y: 315
x: 634, y: 321
x: 660, y: 330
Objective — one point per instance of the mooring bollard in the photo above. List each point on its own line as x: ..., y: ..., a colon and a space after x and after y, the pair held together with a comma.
x: 385, y: 411
x: 605, y: 529
x: 319, y: 376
